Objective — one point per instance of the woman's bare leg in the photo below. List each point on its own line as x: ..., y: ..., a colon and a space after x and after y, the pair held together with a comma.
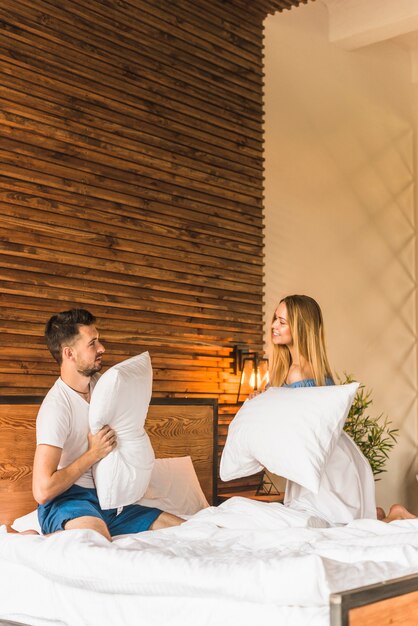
x: 397, y: 511
x: 380, y: 513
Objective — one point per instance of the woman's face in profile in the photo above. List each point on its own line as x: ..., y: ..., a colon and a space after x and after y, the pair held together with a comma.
x: 280, y: 331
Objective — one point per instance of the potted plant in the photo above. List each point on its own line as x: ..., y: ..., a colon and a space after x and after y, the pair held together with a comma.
x: 373, y: 435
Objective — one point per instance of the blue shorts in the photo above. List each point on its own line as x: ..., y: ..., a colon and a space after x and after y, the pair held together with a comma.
x: 80, y: 501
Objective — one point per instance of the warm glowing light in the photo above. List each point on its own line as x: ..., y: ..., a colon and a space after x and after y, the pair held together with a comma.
x: 252, y: 379
x: 254, y: 375
x: 258, y: 378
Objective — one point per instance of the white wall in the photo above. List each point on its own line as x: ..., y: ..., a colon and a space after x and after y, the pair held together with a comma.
x: 340, y: 221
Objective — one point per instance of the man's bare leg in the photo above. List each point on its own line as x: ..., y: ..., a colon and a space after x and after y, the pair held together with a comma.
x: 90, y: 522
x: 397, y: 511
x: 165, y: 520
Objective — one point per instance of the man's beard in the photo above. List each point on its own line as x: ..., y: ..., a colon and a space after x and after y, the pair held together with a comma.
x: 90, y: 370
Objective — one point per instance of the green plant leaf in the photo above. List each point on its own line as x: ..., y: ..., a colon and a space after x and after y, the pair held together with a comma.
x: 372, y: 435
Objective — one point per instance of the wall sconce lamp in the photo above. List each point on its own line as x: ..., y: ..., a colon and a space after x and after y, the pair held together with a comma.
x: 253, y: 370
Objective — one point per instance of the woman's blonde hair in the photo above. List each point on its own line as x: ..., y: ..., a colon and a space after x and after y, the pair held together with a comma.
x: 306, y: 325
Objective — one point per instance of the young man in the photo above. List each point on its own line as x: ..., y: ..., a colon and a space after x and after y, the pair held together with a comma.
x: 66, y: 450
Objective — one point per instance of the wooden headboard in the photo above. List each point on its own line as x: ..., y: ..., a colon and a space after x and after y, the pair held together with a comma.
x: 176, y: 427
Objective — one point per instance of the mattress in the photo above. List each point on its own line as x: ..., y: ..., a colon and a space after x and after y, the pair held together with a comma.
x: 246, y: 561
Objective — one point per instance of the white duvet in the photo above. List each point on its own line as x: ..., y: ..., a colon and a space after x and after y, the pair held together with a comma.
x: 244, y: 562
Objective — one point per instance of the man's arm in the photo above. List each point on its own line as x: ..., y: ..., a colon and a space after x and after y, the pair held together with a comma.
x: 49, y: 481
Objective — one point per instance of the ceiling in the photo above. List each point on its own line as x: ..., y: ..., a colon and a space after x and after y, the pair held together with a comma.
x: 357, y: 23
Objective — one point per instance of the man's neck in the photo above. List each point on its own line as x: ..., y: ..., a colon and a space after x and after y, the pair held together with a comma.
x: 76, y: 381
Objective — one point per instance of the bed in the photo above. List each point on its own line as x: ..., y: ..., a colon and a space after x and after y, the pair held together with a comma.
x: 244, y: 562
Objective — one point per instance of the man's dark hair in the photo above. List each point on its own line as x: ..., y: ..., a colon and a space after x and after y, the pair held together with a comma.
x: 63, y: 328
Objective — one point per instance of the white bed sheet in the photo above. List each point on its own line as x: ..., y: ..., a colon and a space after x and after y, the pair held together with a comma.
x: 246, y: 562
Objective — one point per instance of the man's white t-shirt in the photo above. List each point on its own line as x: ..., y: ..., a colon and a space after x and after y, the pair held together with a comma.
x: 63, y: 422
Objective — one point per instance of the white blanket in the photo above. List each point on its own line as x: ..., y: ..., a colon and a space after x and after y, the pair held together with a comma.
x: 247, y: 562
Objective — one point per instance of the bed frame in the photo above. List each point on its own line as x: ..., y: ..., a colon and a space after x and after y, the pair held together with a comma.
x: 392, y: 602
x: 176, y: 427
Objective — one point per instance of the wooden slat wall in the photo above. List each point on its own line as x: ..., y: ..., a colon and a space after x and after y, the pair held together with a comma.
x: 131, y: 183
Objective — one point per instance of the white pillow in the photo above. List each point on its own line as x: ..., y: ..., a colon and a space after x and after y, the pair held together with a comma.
x: 27, y: 522
x: 120, y: 399
x: 174, y: 487
x: 290, y: 431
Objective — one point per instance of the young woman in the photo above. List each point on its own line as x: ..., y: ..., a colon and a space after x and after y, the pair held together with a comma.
x: 299, y: 356
x: 299, y: 359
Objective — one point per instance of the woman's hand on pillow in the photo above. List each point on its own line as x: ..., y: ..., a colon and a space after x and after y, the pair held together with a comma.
x: 255, y: 393
x: 102, y: 443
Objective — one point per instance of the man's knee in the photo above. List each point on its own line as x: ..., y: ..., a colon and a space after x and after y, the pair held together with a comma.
x: 91, y: 523
x: 166, y: 520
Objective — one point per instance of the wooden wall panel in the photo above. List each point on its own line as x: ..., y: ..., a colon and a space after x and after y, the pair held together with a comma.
x: 131, y: 183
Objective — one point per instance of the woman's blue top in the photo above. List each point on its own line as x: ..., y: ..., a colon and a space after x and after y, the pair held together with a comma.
x: 308, y: 382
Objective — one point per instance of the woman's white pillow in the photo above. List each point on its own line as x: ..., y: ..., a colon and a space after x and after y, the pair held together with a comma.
x: 290, y: 431
x: 174, y: 487
x: 120, y: 399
